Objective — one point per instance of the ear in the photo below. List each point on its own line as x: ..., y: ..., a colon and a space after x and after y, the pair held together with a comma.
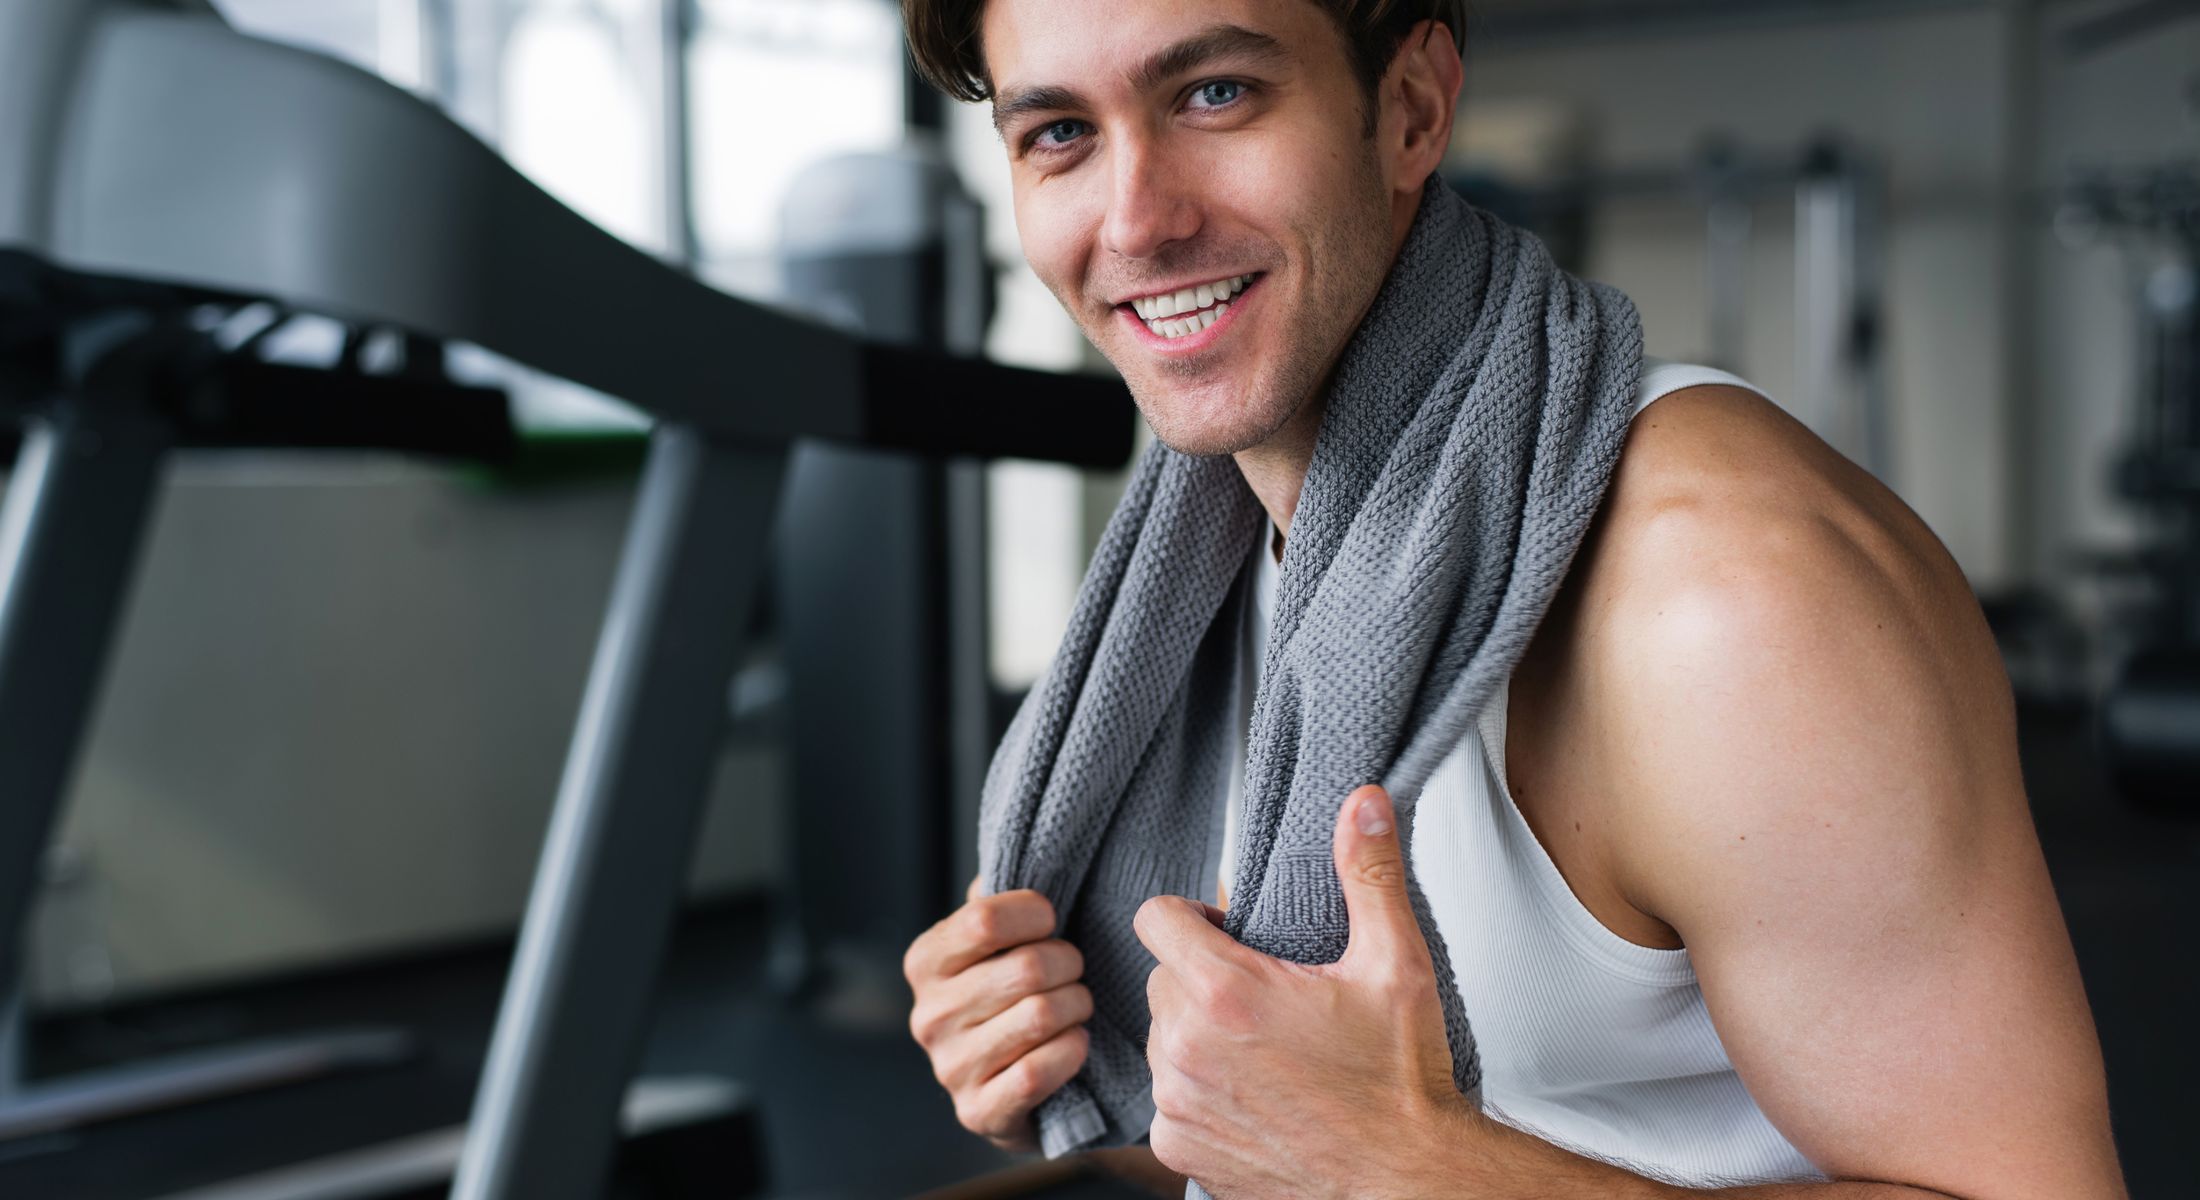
x: 1420, y: 95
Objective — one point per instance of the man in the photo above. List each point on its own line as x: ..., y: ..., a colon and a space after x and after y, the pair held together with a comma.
x: 1754, y: 801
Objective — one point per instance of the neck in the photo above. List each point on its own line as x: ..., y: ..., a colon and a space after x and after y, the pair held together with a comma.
x: 1276, y: 469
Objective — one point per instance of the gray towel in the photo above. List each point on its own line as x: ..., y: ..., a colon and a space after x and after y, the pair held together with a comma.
x: 1473, y: 424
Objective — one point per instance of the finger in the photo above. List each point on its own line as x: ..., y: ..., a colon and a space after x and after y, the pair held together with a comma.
x: 989, y: 1048
x: 1177, y: 930
x: 995, y: 985
x: 1162, y: 992
x: 976, y: 890
x: 1371, y: 866
x: 977, y: 931
x: 1003, y: 1102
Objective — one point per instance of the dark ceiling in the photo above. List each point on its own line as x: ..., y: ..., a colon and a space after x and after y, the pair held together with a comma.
x: 1509, y: 21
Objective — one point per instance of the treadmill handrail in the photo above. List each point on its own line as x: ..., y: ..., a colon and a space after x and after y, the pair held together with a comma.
x: 182, y: 152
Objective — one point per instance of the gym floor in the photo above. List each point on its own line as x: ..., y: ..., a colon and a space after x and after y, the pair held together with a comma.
x: 856, y: 1114
x: 844, y: 1113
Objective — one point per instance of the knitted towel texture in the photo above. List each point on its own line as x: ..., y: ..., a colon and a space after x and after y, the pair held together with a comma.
x: 1472, y: 426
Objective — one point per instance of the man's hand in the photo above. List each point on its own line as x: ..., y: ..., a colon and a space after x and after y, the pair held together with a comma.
x: 999, y: 1010
x: 1274, y: 1079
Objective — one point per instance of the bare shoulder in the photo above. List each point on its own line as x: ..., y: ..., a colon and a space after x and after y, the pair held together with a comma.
x: 1722, y: 499
x: 1786, y: 711
x: 1753, y: 607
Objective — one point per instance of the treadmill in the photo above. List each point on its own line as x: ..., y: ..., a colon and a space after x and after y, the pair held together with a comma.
x: 157, y: 166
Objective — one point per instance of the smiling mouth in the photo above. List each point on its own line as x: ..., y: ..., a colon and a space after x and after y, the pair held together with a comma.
x: 1189, y: 311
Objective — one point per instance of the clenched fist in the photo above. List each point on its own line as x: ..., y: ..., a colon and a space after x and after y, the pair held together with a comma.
x: 999, y: 1010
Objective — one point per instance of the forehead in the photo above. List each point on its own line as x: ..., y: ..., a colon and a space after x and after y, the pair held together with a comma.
x: 1091, y: 44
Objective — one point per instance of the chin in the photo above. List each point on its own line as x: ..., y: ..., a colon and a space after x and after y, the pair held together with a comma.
x: 1206, y: 426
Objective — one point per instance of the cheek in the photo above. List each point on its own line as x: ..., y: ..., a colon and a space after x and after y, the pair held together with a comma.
x: 1056, y: 235
x: 1292, y: 190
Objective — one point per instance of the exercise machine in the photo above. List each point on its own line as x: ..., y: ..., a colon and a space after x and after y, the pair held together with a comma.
x: 158, y: 169
x: 2149, y: 715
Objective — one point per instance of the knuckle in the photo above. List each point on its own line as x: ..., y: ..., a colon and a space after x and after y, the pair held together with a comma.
x: 1386, y: 872
x: 1039, y: 907
x: 1037, y: 1019
x: 923, y: 1025
x: 1232, y: 1014
x: 984, y: 924
x: 951, y: 1069
x: 1027, y: 970
x: 1402, y: 979
x: 1027, y: 1083
x: 1168, y: 1093
x: 1076, y: 1002
x: 1208, y: 990
x: 1172, y: 1048
x: 1167, y: 1144
x: 1389, y: 978
x: 971, y: 1117
x: 1142, y: 922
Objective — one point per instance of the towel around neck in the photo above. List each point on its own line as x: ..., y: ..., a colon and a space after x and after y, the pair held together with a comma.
x: 1471, y: 428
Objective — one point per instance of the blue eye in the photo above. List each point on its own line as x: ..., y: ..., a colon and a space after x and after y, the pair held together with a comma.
x: 1058, y: 134
x: 1218, y: 92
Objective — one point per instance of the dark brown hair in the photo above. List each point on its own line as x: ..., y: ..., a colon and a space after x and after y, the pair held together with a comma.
x: 943, y: 37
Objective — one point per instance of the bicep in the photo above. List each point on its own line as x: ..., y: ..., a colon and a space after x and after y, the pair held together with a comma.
x: 1838, y: 832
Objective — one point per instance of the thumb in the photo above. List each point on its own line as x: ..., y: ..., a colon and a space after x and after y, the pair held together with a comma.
x: 1371, y: 865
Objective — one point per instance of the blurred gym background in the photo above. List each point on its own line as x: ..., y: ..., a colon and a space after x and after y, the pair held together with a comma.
x: 1958, y: 237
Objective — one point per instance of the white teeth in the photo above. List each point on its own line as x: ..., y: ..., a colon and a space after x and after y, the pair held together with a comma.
x: 1190, y: 325
x: 1206, y: 303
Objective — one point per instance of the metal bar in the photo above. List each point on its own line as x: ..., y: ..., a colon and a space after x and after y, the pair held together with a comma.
x: 969, y: 670
x: 1729, y: 221
x: 576, y: 1005
x: 75, y: 511
x: 1825, y: 214
x: 411, y: 1165
x: 677, y: 25
x: 136, y: 1088
x: 2023, y: 536
x: 14, y: 1033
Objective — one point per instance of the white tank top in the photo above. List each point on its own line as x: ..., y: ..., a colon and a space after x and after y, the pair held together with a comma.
x: 1587, y: 1039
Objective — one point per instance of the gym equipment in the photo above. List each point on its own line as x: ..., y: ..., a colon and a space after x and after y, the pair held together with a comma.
x: 674, y: 1140
x: 2149, y: 722
x: 1838, y: 192
x: 155, y: 164
x: 886, y: 650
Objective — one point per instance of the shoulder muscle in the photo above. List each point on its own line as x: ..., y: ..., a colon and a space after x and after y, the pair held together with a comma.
x: 1810, y: 748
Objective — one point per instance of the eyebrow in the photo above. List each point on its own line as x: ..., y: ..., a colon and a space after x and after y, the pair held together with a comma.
x: 1180, y: 58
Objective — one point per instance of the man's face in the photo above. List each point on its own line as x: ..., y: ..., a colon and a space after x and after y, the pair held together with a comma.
x: 1195, y: 183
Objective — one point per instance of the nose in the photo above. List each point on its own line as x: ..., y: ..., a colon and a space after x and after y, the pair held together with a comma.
x: 1150, y: 204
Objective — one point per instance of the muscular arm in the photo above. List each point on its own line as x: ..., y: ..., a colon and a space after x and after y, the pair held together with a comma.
x: 1777, y: 733
x: 1810, y: 752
